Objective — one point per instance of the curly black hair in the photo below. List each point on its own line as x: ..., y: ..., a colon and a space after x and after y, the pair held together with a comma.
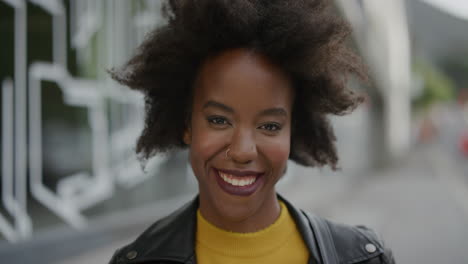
x: 303, y: 37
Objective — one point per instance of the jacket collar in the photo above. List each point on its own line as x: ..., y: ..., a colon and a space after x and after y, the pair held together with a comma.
x: 173, y: 238
x: 302, y: 224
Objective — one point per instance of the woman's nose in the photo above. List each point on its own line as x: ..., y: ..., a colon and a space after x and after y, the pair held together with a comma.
x: 243, y: 148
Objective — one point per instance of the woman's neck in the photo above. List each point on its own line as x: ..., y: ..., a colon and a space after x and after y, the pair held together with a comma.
x: 255, y: 218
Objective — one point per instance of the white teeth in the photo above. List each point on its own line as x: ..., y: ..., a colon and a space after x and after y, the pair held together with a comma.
x: 237, y: 181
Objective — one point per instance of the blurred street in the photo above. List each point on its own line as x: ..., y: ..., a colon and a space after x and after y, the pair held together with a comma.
x: 419, y: 206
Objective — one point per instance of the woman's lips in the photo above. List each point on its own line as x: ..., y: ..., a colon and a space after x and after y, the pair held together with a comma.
x: 242, y: 183
x: 240, y: 173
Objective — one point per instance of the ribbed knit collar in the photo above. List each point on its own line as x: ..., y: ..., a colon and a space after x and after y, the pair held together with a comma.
x: 246, y: 244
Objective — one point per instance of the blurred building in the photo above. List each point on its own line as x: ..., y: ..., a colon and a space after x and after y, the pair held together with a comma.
x: 68, y: 131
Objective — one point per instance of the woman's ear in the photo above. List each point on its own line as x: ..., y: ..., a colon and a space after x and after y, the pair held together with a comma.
x: 187, y: 138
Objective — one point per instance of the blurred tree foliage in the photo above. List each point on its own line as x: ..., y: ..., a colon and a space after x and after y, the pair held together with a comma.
x: 436, y: 86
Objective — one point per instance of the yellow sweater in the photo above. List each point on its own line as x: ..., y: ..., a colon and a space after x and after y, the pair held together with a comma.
x: 280, y: 242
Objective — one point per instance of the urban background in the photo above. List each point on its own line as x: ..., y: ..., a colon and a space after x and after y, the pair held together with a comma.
x: 72, y: 190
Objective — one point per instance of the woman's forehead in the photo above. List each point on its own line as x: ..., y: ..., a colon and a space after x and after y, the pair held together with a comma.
x: 241, y: 62
x: 244, y: 75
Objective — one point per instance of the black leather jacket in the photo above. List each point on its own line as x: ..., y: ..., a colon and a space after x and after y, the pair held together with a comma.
x: 172, y: 240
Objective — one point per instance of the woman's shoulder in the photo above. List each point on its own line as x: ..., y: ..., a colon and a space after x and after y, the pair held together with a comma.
x: 168, y: 239
x: 343, y: 243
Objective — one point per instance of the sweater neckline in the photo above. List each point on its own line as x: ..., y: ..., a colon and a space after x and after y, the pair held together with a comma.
x: 253, y: 244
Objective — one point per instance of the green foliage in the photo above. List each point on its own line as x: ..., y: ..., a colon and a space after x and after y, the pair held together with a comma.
x: 437, y: 86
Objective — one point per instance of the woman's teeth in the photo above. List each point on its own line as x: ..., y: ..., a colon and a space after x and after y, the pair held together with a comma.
x: 238, y: 181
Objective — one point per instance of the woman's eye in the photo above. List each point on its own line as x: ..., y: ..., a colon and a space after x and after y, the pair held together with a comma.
x: 217, y: 120
x: 271, y: 127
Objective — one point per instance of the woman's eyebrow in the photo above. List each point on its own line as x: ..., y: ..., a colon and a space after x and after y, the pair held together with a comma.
x: 219, y: 105
x: 278, y: 111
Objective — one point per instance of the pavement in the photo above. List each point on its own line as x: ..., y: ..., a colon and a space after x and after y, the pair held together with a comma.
x: 419, y: 207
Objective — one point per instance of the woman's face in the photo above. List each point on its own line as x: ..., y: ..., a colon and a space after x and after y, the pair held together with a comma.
x: 239, y: 138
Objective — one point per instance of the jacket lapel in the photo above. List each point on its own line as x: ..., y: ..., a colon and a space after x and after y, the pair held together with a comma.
x: 170, y: 239
x: 306, y: 231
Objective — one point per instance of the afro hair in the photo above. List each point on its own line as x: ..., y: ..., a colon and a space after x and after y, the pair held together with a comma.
x: 305, y: 38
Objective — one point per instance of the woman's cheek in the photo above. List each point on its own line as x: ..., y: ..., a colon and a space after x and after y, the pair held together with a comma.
x: 277, y: 150
x: 203, y: 149
x: 209, y: 142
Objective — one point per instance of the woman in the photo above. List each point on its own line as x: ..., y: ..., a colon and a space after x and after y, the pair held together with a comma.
x: 245, y: 85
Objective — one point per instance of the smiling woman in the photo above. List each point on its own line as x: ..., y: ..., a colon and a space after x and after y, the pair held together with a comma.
x: 240, y: 130
x: 245, y: 85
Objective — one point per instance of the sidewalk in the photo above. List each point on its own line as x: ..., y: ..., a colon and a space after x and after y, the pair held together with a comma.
x: 420, y: 208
